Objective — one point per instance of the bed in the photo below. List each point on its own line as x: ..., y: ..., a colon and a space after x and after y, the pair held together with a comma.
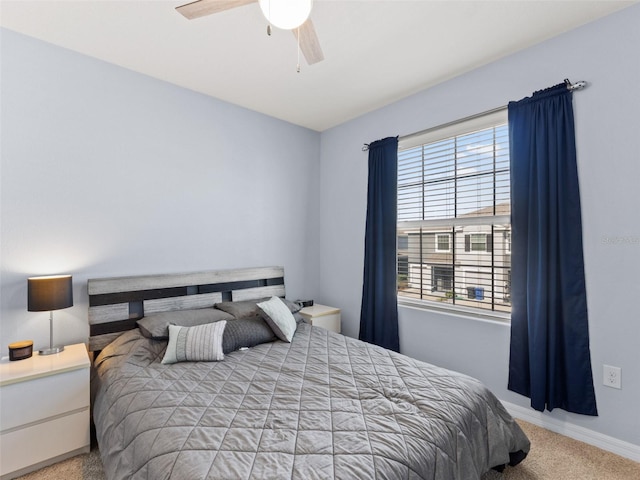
x: 322, y: 406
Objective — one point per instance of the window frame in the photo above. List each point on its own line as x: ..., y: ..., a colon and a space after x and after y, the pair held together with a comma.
x: 497, y: 118
x: 448, y: 235
x: 485, y: 242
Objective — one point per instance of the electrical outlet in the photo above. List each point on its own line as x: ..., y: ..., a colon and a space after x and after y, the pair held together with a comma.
x: 611, y: 376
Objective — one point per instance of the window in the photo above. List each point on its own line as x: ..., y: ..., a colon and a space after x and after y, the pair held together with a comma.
x: 443, y: 242
x: 478, y: 242
x: 403, y: 242
x: 454, y: 214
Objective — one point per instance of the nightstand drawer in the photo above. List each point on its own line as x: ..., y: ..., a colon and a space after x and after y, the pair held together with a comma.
x: 42, y: 398
x: 28, y: 447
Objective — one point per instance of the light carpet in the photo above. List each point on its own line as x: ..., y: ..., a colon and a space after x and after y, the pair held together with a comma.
x: 552, y: 457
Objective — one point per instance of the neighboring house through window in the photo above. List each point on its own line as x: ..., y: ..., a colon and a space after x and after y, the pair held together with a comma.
x: 454, y: 236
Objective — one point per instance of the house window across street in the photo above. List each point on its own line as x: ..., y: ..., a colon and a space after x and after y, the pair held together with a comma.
x: 478, y: 242
x: 443, y: 242
x: 454, y: 235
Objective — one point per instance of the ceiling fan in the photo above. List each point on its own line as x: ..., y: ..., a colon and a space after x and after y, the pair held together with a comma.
x: 277, y: 13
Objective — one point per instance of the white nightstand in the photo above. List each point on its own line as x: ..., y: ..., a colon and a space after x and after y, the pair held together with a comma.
x: 44, y: 410
x: 322, y: 316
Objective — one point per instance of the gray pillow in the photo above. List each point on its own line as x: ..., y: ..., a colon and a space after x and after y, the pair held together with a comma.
x: 246, y: 332
x: 249, y: 308
x: 156, y: 325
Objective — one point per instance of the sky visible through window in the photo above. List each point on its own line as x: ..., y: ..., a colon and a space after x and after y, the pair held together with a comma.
x: 454, y: 177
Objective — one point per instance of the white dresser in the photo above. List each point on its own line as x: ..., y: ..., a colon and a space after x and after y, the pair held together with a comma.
x: 44, y: 410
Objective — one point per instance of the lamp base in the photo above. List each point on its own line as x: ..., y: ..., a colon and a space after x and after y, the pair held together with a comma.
x: 50, y: 351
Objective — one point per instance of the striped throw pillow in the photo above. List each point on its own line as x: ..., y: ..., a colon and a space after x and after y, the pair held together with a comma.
x: 202, y: 343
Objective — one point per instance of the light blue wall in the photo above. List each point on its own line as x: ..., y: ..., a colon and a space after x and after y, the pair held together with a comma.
x: 109, y: 172
x: 604, y: 53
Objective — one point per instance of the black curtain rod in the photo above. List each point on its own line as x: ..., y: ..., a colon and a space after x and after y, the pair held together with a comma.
x: 570, y: 86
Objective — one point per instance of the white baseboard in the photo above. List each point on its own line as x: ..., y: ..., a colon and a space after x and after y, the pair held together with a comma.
x: 605, y: 442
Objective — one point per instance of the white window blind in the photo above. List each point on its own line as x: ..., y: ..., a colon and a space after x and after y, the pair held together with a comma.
x: 453, y: 215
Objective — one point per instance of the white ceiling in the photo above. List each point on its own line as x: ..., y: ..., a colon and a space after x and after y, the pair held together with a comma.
x: 376, y: 52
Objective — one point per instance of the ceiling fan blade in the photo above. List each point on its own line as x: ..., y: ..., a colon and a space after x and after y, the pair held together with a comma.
x: 309, y: 43
x: 202, y: 8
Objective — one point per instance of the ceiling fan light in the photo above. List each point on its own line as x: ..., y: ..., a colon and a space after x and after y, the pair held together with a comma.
x: 286, y: 14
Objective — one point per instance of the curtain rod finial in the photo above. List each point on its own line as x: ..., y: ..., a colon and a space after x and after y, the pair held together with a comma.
x: 575, y: 86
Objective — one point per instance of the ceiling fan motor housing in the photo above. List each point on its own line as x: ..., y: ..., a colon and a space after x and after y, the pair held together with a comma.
x: 286, y: 14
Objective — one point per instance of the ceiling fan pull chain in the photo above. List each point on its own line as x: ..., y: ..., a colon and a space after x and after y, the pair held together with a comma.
x: 269, y: 25
x: 298, y: 66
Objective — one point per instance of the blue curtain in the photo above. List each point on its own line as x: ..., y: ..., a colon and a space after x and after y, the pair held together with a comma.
x: 549, y: 356
x: 379, y: 312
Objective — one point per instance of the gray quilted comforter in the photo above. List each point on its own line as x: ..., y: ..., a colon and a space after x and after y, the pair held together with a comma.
x: 325, y: 406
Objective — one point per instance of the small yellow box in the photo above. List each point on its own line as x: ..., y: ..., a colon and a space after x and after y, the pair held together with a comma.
x: 20, y: 350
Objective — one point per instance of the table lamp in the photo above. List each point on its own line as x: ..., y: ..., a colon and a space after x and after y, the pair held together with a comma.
x: 48, y: 294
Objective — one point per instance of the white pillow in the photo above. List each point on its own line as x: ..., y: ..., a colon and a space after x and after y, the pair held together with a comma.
x: 202, y: 343
x: 279, y: 318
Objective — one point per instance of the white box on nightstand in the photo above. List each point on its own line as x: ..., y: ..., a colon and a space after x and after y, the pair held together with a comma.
x: 44, y: 410
x: 322, y: 316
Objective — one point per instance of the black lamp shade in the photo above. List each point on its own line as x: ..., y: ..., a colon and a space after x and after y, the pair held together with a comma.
x: 49, y: 293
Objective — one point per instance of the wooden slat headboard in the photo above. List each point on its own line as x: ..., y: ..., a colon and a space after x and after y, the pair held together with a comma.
x: 115, y: 304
